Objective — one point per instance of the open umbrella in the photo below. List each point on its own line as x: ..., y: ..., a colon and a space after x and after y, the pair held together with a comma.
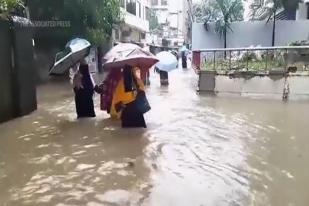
x: 134, y: 57
x: 121, y: 47
x: 184, y: 49
x: 75, y: 50
x: 167, y: 61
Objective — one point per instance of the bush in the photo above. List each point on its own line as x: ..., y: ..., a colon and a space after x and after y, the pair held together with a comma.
x: 9, y: 6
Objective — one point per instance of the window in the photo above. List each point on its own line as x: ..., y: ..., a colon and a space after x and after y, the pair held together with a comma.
x: 147, y: 14
x: 154, y: 2
x: 117, y: 34
x: 143, y: 36
x: 131, y: 6
x: 123, y: 3
x: 164, y: 2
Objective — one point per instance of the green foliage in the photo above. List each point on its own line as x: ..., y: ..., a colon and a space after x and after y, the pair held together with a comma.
x: 300, y: 43
x: 153, y: 20
x: 264, y: 9
x: 222, y: 12
x: 91, y: 19
x: 214, y: 10
x: 229, y: 11
x: 8, y: 6
x: 223, y: 65
x: 205, y: 11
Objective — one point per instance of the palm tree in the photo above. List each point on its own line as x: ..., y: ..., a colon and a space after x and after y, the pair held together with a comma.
x: 221, y: 12
x: 269, y: 8
x: 229, y: 11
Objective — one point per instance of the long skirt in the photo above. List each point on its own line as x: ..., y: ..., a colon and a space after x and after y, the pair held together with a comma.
x: 84, y: 103
x: 130, y: 118
x: 184, y: 61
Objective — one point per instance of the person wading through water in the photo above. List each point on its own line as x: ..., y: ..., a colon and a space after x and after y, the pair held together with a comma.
x: 183, y: 53
x: 84, y: 91
x: 128, y: 100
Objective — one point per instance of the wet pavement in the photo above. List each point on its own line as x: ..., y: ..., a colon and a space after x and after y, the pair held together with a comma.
x: 197, y: 150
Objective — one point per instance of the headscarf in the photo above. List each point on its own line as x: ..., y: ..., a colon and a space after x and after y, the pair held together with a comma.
x: 128, y: 78
x: 87, y: 81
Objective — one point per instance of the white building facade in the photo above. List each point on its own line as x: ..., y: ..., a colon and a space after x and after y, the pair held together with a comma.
x: 135, y: 27
x: 171, y: 16
x: 303, y: 11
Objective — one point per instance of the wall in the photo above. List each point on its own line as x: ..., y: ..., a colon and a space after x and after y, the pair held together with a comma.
x: 268, y: 87
x: 292, y: 31
x: 202, y: 39
x: 246, y: 34
x: 24, y: 81
x: 17, y: 79
x: 5, y: 71
x: 250, y: 33
x: 139, y: 20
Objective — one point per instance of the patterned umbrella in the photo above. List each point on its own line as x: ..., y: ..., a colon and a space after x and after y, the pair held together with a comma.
x: 121, y: 47
x: 134, y: 57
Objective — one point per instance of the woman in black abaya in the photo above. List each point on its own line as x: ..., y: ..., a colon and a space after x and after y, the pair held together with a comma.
x: 84, y: 91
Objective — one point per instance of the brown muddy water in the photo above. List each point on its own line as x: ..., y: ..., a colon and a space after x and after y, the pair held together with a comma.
x: 197, y: 151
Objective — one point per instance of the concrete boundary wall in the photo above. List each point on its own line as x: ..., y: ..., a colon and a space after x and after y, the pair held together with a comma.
x: 17, y: 78
x: 269, y: 87
x: 250, y: 33
x: 5, y: 72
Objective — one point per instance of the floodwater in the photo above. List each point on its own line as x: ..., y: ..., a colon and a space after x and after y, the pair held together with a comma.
x: 198, y: 151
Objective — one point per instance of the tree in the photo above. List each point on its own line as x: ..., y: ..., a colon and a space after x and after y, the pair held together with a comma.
x: 8, y: 7
x: 91, y: 19
x: 267, y: 9
x: 153, y: 20
x: 205, y: 12
x: 222, y: 12
x: 230, y: 10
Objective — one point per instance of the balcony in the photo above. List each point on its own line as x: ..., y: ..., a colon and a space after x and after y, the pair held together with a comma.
x: 160, y: 7
x: 135, y: 22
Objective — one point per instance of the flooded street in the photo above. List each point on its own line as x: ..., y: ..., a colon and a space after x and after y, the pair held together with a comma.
x: 197, y: 150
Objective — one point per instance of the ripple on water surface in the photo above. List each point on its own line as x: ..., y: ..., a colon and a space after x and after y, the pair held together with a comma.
x: 196, y: 151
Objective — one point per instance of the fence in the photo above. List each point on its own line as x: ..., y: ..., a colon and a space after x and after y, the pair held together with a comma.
x: 258, y: 59
x: 258, y: 71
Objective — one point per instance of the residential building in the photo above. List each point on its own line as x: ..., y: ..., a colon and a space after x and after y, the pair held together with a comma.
x: 171, y: 18
x: 301, y: 13
x: 263, y: 8
x: 136, y: 23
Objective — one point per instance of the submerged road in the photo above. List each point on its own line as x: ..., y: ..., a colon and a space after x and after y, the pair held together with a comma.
x: 197, y: 150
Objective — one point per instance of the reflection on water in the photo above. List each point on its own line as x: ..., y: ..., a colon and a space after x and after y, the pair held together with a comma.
x: 197, y: 150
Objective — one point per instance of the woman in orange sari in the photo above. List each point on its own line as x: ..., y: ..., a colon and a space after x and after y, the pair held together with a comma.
x: 124, y: 95
x: 118, y: 93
